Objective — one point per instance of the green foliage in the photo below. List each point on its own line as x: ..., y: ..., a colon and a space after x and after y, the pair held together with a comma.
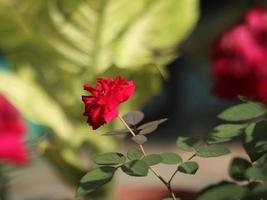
x: 255, y: 140
x: 189, y: 167
x: 139, y: 139
x: 257, y: 173
x: 135, y: 168
x: 214, y: 150
x: 94, y: 179
x: 170, y: 158
x: 150, y: 126
x: 188, y: 144
x: 117, y: 132
x: 252, y: 133
x: 225, y: 132
x: 109, y: 159
x: 123, y: 33
x: 134, y: 154
x: 238, y: 169
x: 133, y: 118
x: 244, y: 111
x: 152, y: 159
x: 223, y: 191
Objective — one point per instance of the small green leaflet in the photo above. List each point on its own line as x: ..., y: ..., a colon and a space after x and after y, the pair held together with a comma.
x: 134, y: 154
x: 95, y: 179
x: 150, y: 127
x: 152, y: 159
x: 188, y: 144
x: 135, y: 168
x: 189, y: 167
x: 117, y: 132
x: 244, y: 111
x: 133, y: 118
x: 170, y: 158
x: 228, y: 130
x: 225, y: 132
x: 139, y: 139
x: 109, y: 159
x: 214, y: 150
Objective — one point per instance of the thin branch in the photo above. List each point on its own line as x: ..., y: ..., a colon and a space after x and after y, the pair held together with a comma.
x: 168, y: 186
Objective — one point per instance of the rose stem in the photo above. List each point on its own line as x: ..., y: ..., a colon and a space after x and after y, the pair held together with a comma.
x: 167, y: 184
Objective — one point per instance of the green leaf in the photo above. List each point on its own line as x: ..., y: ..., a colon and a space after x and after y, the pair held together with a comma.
x: 134, y: 154
x: 244, y: 111
x: 134, y: 117
x: 229, y: 130
x: 189, y: 167
x: 212, y: 139
x: 152, y: 159
x: 109, y: 159
x: 223, y: 191
x: 238, y: 168
x: 170, y: 158
x: 188, y: 144
x: 255, y: 140
x: 225, y: 132
x: 150, y: 127
x: 139, y: 139
x: 170, y: 198
x: 117, y: 132
x: 135, y: 168
x: 257, y: 173
x: 214, y: 150
x: 95, y: 179
x: 135, y: 36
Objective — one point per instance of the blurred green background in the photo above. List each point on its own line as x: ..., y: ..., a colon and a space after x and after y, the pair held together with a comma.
x: 52, y: 47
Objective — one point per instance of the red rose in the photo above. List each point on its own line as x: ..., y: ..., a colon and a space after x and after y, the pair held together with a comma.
x: 102, y: 106
x: 239, y: 58
x: 12, y: 130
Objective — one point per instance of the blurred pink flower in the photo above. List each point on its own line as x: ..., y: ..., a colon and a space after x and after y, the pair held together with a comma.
x: 12, y: 130
x: 239, y: 58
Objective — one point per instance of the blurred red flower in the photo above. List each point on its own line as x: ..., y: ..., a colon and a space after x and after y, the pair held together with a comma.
x: 102, y: 106
x: 239, y: 58
x: 12, y: 130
